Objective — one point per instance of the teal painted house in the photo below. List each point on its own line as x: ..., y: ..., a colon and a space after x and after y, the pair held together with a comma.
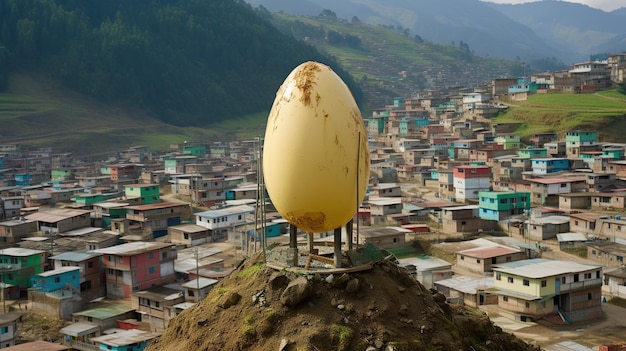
x: 18, y: 264
x: 90, y: 199
x: 56, y: 279
x: 524, y: 85
x: 23, y: 179
x: 500, y: 205
x: 149, y: 193
x: 376, y: 125
x: 577, y: 138
x: 614, y: 153
x: 549, y: 165
x: 533, y: 153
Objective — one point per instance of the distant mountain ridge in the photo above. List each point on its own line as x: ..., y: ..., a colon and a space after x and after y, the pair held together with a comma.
x: 567, y: 31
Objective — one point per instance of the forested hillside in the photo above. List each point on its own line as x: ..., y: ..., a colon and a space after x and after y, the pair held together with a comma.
x: 188, y: 62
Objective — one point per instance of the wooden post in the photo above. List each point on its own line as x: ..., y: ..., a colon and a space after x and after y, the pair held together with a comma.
x: 337, y: 247
x: 293, y: 243
x: 349, y: 229
x: 310, y: 243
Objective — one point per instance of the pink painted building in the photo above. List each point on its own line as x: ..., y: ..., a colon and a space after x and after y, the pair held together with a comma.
x: 137, y: 266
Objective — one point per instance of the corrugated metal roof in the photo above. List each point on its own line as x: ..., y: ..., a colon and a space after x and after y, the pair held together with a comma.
x: 18, y: 251
x: 156, y: 206
x: 566, y: 346
x: 488, y: 252
x: 55, y: 215
x: 76, y: 256
x: 542, y: 268
x: 132, y: 248
x: 425, y: 264
x: 565, y: 237
x: 202, y: 282
x: 465, y: 284
x: 125, y: 337
x: 60, y: 270
x: 226, y: 211
x: 106, y: 312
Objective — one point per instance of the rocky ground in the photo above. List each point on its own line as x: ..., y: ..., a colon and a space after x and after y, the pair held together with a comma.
x: 383, y: 308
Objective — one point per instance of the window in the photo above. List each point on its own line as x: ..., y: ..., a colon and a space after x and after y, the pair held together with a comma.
x: 544, y: 283
x: 576, y: 278
x: 477, y: 261
x: 563, y: 185
x: 527, y: 304
x: 589, y: 296
x: 462, y: 257
x: 190, y: 293
x: 510, y: 280
x: 110, y: 258
x: 151, y: 270
x: 498, y: 276
x: 164, y: 255
x: 57, y: 279
x: 4, y: 330
x: 588, y: 275
x: 150, y: 255
x: 526, y: 282
x: 90, y: 264
x: 505, y: 298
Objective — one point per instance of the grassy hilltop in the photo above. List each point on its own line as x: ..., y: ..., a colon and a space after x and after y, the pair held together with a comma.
x: 604, y: 112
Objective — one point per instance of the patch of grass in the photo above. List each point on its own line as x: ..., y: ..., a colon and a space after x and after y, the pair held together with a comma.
x: 218, y: 293
x: 247, y: 331
x: 403, y: 252
x: 578, y: 251
x: 618, y: 301
x: 342, y: 335
x: 250, y: 270
x: 559, y: 113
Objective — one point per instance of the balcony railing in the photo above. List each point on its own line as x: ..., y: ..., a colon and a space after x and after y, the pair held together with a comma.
x: 85, y: 346
x: 585, y: 284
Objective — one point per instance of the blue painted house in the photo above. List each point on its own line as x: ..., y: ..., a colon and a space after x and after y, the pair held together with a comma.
x: 125, y: 340
x: 56, y: 279
x: 23, y: 179
x: 549, y: 165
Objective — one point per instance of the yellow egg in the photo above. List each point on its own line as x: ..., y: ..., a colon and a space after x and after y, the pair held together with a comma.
x: 315, y: 153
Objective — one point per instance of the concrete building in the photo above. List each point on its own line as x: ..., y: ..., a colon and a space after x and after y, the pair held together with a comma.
x: 531, y: 289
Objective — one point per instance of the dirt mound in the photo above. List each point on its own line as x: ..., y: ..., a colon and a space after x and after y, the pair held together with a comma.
x: 260, y: 308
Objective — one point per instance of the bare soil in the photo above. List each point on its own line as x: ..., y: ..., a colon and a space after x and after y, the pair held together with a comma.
x: 378, y: 309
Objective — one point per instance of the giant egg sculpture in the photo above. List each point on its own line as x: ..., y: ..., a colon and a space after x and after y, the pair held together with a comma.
x: 315, y: 153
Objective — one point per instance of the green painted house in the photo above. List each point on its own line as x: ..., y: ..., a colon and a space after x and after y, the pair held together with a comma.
x: 500, y: 205
x: 195, y: 150
x: 61, y: 175
x: 533, y: 153
x: 149, y: 193
x: 509, y: 142
x: 18, y: 264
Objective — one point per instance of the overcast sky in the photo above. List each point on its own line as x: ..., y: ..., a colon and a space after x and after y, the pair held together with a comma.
x: 606, y: 5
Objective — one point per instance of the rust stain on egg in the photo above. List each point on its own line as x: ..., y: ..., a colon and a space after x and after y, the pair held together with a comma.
x: 305, y: 81
x: 310, y: 221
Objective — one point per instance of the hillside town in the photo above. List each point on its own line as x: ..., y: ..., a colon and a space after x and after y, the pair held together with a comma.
x: 532, y: 229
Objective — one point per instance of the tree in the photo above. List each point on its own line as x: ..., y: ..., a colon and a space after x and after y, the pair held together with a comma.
x: 328, y: 13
